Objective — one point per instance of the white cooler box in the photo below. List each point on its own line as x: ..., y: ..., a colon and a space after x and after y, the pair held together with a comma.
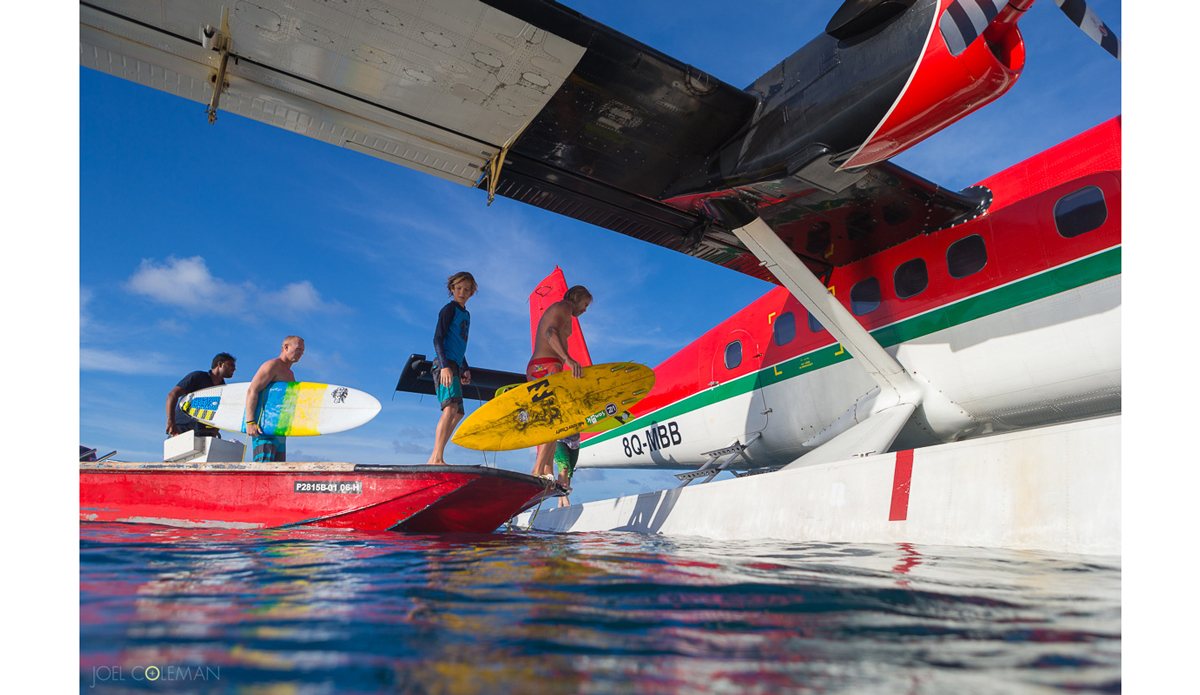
x: 188, y: 448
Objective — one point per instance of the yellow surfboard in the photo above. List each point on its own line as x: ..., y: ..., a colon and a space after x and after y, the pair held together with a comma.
x: 555, y: 407
x: 600, y: 423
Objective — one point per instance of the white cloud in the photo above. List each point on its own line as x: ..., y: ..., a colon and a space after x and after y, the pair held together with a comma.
x: 187, y: 283
x: 296, y: 298
x: 321, y: 364
x: 85, y: 297
x: 124, y: 362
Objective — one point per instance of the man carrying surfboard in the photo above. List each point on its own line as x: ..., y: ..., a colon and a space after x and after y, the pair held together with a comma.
x: 550, y: 355
x: 271, y: 448
x: 450, y: 359
x: 178, y: 422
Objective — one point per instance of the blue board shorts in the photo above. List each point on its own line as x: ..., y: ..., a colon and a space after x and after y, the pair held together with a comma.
x: 452, y: 394
x: 269, y: 449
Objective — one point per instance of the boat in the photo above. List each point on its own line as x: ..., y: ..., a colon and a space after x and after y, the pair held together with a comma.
x: 370, y: 497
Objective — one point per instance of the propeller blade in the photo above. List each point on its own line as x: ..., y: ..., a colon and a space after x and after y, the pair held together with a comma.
x: 963, y: 21
x: 1078, y: 12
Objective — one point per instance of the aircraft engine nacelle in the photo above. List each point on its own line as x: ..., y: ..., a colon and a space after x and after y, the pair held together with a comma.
x: 879, y: 80
x: 946, y: 86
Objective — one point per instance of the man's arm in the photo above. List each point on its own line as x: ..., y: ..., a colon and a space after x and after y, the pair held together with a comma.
x: 172, y: 400
x: 261, y: 378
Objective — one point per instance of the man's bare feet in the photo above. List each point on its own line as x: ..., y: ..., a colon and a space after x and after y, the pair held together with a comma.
x: 564, y: 502
x: 436, y: 463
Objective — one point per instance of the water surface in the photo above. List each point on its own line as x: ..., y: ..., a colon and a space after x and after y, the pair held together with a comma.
x: 319, y: 611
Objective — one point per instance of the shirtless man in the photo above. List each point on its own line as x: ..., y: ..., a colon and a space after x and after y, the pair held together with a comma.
x: 550, y: 355
x: 267, y: 447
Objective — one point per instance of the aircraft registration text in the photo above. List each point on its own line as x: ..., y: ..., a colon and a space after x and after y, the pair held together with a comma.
x: 655, y: 437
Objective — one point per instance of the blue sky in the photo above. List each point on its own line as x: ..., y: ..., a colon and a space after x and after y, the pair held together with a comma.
x: 196, y: 239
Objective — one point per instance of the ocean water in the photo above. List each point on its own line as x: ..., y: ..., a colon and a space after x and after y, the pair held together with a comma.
x: 318, y: 611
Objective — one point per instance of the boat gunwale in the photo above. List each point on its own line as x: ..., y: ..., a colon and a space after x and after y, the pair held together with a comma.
x: 306, y: 468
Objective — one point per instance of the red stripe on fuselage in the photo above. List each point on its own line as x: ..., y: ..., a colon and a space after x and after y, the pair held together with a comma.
x: 901, y: 483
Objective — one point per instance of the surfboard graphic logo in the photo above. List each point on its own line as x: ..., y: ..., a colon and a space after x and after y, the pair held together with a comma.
x: 556, y: 406
x: 339, y: 394
x: 203, y: 408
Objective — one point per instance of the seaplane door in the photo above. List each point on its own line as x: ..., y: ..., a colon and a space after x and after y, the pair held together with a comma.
x: 739, y: 408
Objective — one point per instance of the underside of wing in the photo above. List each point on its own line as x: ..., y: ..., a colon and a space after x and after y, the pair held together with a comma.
x: 886, y: 206
x: 533, y: 101
x: 439, y: 87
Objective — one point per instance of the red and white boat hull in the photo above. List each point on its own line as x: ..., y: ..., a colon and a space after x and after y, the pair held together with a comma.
x: 423, y: 499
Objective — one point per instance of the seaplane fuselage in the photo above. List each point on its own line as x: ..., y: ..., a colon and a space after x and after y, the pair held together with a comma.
x: 1006, y: 321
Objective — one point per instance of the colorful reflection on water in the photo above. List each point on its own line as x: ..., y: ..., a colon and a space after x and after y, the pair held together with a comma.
x: 316, y: 611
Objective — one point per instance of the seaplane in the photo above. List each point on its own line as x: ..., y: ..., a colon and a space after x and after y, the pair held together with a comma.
x: 934, y: 366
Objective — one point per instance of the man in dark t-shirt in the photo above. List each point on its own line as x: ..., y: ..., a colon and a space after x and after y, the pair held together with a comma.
x: 223, y: 366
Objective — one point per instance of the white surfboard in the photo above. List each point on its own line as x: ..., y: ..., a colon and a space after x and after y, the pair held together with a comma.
x: 288, y: 408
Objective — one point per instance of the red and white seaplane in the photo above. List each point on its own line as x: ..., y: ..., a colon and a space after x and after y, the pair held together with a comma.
x: 936, y: 366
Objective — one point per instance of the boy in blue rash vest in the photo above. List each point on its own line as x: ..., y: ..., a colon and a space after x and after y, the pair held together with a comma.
x: 450, y: 360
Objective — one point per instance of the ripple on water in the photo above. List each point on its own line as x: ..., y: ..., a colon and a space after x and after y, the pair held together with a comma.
x: 310, y: 611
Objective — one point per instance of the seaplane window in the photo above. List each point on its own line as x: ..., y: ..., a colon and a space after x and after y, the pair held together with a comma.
x: 733, y: 354
x: 966, y: 256
x: 1080, y: 212
x: 864, y: 296
x: 813, y: 324
x: 911, y: 278
x: 785, y: 328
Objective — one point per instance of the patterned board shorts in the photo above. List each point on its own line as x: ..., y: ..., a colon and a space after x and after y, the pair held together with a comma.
x: 269, y: 449
x: 542, y: 367
x: 452, y: 394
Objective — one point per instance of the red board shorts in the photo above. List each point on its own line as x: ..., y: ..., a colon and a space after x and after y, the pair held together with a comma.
x: 542, y: 367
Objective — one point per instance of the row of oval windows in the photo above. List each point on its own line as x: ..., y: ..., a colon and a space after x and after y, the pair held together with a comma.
x: 1074, y: 214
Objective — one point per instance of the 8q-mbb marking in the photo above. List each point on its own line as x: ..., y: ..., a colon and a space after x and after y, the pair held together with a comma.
x: 655, y: 437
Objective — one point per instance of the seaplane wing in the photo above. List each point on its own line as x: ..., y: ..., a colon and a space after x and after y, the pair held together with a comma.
x: 530, y: 100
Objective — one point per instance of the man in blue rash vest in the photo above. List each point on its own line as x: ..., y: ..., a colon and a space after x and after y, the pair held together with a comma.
x: 450, y: 360
x: 268, y: 448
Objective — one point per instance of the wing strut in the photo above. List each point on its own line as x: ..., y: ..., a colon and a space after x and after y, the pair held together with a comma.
x: 900, y: 394
x: 791, y: 272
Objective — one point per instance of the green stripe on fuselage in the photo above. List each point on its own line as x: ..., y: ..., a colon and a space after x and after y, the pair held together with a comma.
x: 1087, y: 270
